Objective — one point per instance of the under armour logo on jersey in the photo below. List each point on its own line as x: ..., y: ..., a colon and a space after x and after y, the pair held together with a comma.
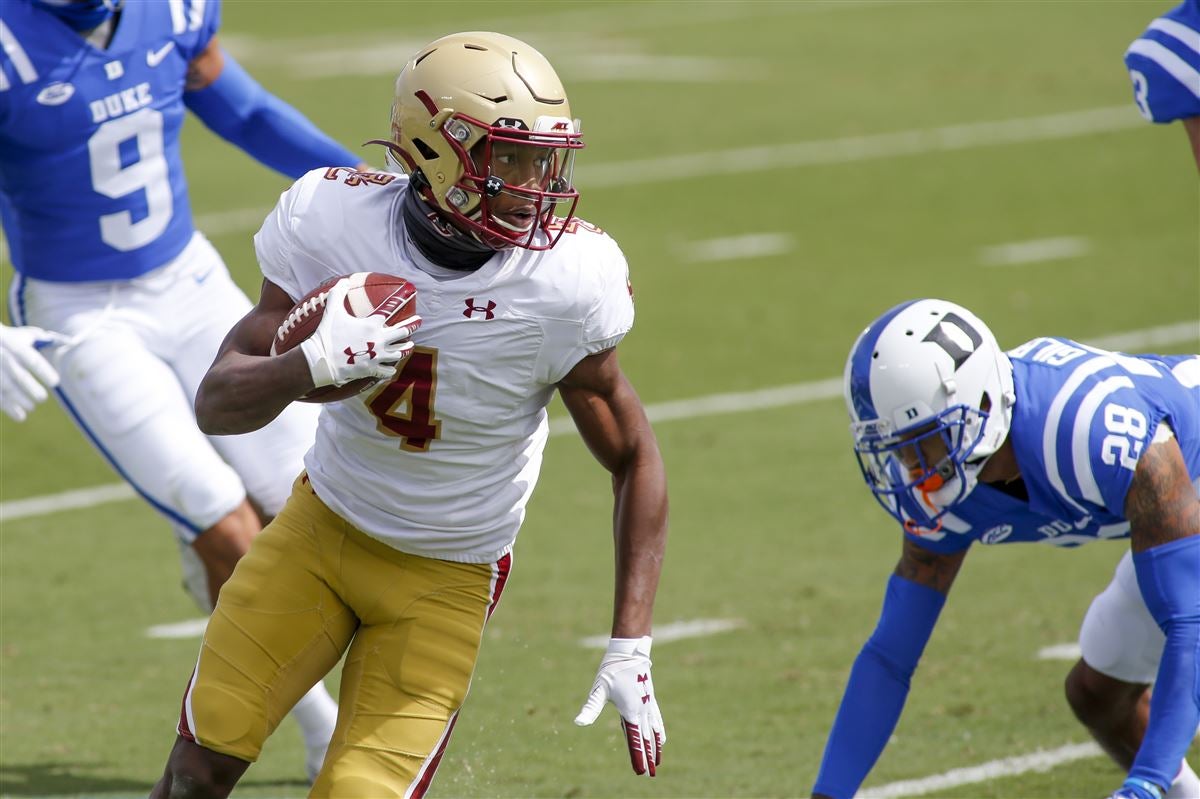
x: 368, y: 353
x: 644, y: 680
x: 956, y: 337
x: 473, y: 309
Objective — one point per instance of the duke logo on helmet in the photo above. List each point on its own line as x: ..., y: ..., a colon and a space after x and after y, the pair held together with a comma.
x: 956, y: 337
x: 926, y: 377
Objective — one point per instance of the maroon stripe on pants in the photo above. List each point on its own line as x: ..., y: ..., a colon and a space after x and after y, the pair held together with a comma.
x: 183, y: 729
x: 427, y: 777
x: 502, y: 567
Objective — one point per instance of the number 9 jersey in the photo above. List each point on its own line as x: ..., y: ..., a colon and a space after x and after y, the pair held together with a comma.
x: 1164, y: 65
x: 440, y: 460
x: 91, y: 182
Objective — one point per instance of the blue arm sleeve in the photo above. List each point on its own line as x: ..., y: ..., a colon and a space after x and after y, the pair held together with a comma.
x: 878, y: 686
x: 1169, y: 578
x: 238, y: 109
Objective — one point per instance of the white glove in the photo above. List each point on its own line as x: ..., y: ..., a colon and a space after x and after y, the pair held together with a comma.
x: 24, y: 372
x: 624, y: 680
x: 345, y: 347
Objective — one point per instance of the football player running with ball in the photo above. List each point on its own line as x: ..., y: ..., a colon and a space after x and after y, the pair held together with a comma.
x: 1056, y: 442
x: 1164, y: 65
x: 397, y: 542
x: 120, y: 303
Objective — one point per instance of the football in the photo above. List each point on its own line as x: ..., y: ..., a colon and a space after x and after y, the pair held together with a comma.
x: 371, y: 293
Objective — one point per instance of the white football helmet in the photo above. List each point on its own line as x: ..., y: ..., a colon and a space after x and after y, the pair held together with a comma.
x: 930, y: 395
x: 480, y: 115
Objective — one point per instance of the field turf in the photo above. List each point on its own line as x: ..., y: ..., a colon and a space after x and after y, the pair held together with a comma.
x: 857, y: 155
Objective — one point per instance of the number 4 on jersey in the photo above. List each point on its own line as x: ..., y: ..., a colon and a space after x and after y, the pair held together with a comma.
x: 404, y: 406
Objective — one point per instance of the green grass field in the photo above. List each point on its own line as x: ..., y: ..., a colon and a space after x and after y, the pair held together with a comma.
x: 934, y: 131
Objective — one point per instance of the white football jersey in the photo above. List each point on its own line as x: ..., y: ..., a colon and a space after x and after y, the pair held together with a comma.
x: 441, y: 460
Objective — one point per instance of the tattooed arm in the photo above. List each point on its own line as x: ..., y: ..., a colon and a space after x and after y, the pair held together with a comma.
x: 1164, y: 517
x: 929, y: 569
x: 1162, y: 504
x: 880, y: 677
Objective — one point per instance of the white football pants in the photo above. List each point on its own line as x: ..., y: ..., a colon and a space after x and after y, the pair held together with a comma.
x: 129, y: 380
x: 1119, y: 637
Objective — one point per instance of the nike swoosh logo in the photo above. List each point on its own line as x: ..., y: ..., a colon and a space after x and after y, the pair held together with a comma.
x: 155, y: 57
x: 203, y: 277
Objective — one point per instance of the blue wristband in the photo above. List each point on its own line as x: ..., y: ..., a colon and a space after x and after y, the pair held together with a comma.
x: 1141, y: 789
x: 238, y: 109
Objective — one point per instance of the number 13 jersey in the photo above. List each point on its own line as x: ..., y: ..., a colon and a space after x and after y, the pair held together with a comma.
x: 441, y: 459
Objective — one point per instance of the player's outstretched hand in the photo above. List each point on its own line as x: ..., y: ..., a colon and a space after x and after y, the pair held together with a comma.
x: 25, y: 374
x: 1137, y: 789
x: 345, y: 347
x: 624, y: 680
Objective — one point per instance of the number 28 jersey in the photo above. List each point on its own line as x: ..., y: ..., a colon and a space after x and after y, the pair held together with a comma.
x: 1082, y: 419
x: 441, y: 459
x: 91, y: 181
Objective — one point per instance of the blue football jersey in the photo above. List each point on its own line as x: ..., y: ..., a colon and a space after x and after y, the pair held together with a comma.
x: 1164, y: 64
x: 91, y: 181
x: 1082, y: 418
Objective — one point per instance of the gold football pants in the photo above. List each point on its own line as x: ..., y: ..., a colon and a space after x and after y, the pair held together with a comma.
x: 311, y: 586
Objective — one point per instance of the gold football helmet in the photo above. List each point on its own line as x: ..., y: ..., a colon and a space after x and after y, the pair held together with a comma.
x: 481, y: 123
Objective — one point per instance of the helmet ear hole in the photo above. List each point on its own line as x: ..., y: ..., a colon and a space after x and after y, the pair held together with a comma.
x: 427, y: 152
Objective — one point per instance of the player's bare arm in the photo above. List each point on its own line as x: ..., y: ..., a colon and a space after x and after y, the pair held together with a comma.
x: 613, y: 424
x: 1161, y: 504
x: 929, y: 569
x: 1192, y: 126
x: 204, y: 68
x: 246, y: 387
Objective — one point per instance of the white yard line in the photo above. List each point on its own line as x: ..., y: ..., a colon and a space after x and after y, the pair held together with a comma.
x: 738, y: 248
x: 1041, y: 760
x: 712, y: 405
x: 675, y: 631
x: 795, y: 155
x: 1035, y: 251
x: 560, y: 33
x: 1069, y: 651
x: 67, y: 500
x: 218, y: 223
x: 575, y: 68
x: 192, y: 628
x: 853, y: 149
